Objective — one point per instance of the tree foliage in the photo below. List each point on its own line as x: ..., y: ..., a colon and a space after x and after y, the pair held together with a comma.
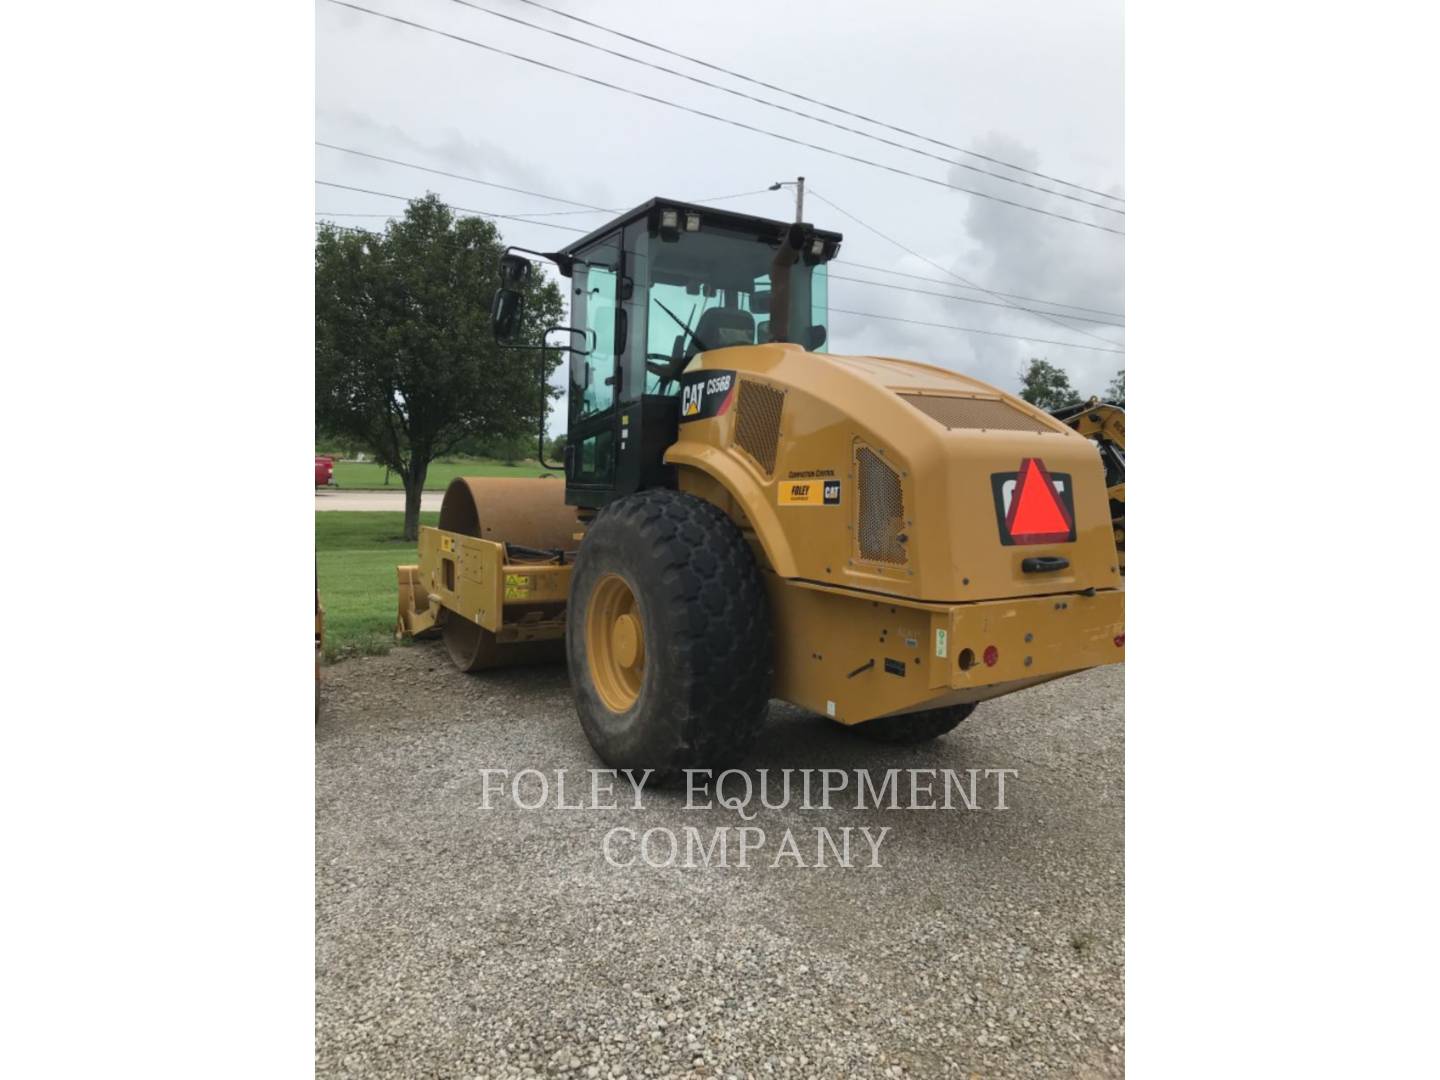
x: 1116, y: 390
x: 1046, y: 386
x: 405, y: 361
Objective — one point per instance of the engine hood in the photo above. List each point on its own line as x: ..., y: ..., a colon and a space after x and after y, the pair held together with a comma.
x: 894, y: 476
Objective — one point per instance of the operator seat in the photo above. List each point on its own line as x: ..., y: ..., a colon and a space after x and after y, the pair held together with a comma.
x: 722, y: 327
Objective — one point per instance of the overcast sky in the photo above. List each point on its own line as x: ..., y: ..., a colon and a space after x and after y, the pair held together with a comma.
x: 1034, y: 83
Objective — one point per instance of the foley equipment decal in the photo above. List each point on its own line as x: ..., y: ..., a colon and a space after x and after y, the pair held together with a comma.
x: 808, y: 492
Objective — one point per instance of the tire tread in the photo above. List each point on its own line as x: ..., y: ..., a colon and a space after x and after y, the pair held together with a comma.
x: 720, y: 654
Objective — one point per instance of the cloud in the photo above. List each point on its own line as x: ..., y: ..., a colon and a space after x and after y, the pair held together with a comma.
x: 1032, y: 255
x: 937, y: 69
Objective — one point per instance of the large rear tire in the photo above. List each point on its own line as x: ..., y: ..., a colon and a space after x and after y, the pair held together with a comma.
x: 668, y: 636
x: 915, y: 727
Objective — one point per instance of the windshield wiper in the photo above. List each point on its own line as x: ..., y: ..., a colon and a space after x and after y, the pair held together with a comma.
x: 702, y: 347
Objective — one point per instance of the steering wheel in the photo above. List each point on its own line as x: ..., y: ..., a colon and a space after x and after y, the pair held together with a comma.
x: 667, y: 370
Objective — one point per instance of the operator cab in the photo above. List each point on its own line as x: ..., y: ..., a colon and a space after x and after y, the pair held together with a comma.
x: 649, y: 292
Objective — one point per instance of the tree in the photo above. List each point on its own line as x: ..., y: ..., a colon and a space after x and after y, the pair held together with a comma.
x: 405, y: 360
x: 1116, y: 390
x: 517, y: 448
x: 1046, y: 386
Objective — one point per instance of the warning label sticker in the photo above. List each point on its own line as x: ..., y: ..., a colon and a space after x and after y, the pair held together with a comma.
x: 1033, y: 505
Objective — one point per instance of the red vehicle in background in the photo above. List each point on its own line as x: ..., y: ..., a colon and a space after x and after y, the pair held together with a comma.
x: 324, y: 470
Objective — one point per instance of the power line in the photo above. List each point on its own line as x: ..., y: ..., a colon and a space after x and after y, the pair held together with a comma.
x: 783, y: 108
x: 522, y: 191
x: 527, y: 215
x: 832, y: 277
x: 1056, y: 319
x: 711, y: 199
x: 737, y: 195
x: 721, y: 119
x: 452, y: 206
x: 840, y: 311
x: 516, y: 216
x: 367, y: 233
x: 714, y: 199
x: 460, y: 176
x: 973, y: 330
x: 963, y: 299
x: 816, y: 101
x: 1013, y: 296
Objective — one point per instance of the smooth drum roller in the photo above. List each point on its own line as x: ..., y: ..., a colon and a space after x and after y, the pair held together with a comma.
x: 528, y: 515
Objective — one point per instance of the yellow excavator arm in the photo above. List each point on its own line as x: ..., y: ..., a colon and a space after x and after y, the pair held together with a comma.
x: 1103, y: 423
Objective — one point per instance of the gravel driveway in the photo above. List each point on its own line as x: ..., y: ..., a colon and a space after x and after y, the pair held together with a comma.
x: 453, y: 940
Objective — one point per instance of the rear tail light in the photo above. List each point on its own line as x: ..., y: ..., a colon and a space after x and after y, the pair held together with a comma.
x: 992, y: 656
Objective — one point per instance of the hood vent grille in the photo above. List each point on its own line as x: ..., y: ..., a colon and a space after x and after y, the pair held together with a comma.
x: 881, y: 515
x: 757, y: 421
x: 977, y: 414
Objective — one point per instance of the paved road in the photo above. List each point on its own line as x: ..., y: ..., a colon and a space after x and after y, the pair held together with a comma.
x: 337, y: 499
x: 453, y: 940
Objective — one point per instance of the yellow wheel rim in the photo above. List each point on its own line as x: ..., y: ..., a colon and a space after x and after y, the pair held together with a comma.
x: 615, y: 643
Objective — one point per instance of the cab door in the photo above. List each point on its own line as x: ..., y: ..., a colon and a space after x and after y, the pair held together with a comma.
x: 592, y: 445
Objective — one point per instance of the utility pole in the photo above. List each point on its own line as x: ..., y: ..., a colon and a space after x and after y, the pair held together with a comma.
x: 799, y: 185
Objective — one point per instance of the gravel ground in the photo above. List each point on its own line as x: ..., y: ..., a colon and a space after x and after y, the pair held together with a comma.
x: 452, y: 940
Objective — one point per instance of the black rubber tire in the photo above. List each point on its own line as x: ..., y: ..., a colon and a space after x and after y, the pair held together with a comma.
x: 915, y: 727
x: 709, y: 659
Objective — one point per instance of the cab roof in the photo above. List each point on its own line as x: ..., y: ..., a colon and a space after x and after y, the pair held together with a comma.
x: 767, y: 229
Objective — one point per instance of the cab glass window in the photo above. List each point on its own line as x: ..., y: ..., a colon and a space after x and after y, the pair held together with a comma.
x: 596, y: 284
x: 710, y: 290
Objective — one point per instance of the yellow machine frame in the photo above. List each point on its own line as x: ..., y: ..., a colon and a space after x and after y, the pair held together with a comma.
x: 474, y: 578
x: 856, y: 638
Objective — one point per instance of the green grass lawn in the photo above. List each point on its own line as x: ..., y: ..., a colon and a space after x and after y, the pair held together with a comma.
x: 356, y: 553
x: 360, y: 475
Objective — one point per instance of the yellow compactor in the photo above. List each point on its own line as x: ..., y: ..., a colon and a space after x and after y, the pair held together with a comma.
x: 744, y: 516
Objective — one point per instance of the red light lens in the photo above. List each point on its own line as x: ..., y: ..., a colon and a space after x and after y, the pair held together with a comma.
x: 1119, y: 641
x: 992, y: 656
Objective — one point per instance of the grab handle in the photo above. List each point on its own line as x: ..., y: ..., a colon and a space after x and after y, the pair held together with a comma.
x: 1043, y: 564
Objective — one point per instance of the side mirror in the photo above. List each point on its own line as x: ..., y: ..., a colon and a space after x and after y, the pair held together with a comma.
x: 815, y: 338
x: 514, y: 270
x: 508, y: 307
x: 505, y: 313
